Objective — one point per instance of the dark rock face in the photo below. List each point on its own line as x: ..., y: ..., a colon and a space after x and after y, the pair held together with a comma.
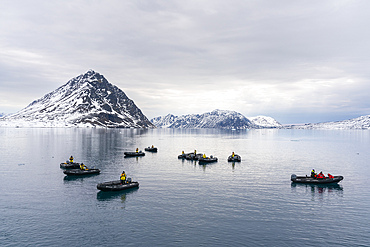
x: 87, y: 100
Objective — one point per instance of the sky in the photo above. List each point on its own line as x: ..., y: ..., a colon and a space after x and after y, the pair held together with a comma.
x: 297, y: 61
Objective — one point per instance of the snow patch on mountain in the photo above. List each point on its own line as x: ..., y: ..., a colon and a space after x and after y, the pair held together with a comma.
x: 87, y: 100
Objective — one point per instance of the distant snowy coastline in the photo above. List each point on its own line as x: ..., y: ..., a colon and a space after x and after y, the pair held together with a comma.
x: 222, y: 119
x: 193, y: 120
x: 359, y: 123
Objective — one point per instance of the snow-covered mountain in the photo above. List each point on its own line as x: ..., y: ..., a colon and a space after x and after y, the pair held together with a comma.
x: 164, y: 121
x: 216, y: 119
x: 86, y: 100
x: 265, y: 122
x: 362, y: 122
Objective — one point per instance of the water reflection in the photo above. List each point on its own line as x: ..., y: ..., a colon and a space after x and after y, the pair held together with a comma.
x: 110, y: 195
x: 132, y: 157
x: 74, y: 178
x: 204, y: 166
x: 233, y: 165
x: 318, y: 189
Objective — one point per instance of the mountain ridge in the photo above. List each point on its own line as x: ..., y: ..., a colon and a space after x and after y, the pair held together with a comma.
x: 223, y: 119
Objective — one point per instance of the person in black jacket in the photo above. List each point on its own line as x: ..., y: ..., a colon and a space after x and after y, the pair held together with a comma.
x: 313, y: 173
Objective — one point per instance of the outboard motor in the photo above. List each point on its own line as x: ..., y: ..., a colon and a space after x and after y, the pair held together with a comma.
x: 128, y: 180
x: 293, y: 177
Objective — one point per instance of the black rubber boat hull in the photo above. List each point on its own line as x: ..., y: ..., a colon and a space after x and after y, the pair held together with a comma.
x: 134, y: 154
x: 79, y: 172
x: 191, y: 156
x: 116, y: 186
x: 69, y: 165
x: 183, y: 156
x: 236, y: 158
x: 154, y: 150
x: 207, y: 160
x: 310, y: 180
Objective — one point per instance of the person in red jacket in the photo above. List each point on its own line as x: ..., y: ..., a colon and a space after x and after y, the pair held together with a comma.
x: 321, y: 175
x: 330, y: 176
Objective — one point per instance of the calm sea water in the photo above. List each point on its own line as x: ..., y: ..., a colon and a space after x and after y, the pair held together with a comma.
x: 182, y: 203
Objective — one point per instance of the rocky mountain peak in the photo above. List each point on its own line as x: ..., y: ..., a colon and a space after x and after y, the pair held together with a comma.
x: 88, y: 99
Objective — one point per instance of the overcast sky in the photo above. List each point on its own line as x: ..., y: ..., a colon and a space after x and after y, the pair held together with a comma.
x: 296, y: 61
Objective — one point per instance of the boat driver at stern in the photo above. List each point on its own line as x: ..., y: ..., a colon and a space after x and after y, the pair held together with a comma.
x: 123, y: 177
x: 313, y: 173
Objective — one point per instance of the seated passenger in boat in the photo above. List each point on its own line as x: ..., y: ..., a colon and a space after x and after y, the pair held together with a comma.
x: 83, y: 167
x: 330, y: 176
x: 137, y: 150
x: 71, y: 159
x: 321, y: 175
x: 204, y: 156
x: 123, y: 177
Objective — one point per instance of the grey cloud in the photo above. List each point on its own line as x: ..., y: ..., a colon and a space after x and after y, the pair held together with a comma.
x: 150, y: 47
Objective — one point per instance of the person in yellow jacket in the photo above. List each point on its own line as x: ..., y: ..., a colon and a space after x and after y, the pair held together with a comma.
x: 71, y: 159
x: 204, y: 156
x: 83, y: 167
x: 232, y: 155
x: 313, y: 174
x: 137, y: 150
x: 123, y: 177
